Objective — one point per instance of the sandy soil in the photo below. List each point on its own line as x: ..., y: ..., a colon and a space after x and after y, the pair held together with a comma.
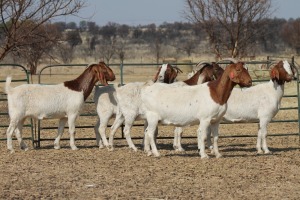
x: 92, y: 173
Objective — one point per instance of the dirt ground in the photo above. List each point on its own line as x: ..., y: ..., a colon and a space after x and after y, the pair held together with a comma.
x: 93, y: 173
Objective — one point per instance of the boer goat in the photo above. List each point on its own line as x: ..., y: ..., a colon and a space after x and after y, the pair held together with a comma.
x: 259, y: 103
x: 189, y: 105
x: 62, y: 101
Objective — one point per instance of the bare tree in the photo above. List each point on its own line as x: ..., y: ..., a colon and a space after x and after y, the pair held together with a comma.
x: 120, y: 50
x: 65, y: 52
x: 231, y: 25
x: 107, y: 48
x: 156, y: 38
x: 291, y: 34
x: 40, y: 46
x: 16, y: 15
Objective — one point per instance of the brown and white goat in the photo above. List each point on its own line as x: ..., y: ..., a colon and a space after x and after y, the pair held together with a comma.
x: 260, y: 102
x: 62, y: 101
x: 188, y: 105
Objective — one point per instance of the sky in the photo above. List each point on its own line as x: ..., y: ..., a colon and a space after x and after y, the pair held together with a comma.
x: 143, y: 12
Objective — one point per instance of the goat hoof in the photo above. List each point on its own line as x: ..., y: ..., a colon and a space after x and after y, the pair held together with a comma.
x: 11, y: 151
x: 74, y: 148
x: 56, y: 147
x: 110, y: 148
x: 204, y: 156
x: 268, y: 152
x: 149, y: 153
x: 179, y: 150
x: 156, y: 155
x: 134, y: 149
x: 218, y: 155
x: 260, y: 152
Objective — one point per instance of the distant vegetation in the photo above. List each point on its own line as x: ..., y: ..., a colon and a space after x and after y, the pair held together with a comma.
x: 116, y: 43
x: 150, y: 43
x: 32, y: 40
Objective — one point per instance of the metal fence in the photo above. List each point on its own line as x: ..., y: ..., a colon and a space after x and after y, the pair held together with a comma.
x: 126, y: 73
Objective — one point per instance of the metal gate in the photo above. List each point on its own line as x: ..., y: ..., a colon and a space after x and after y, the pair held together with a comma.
x: 122, y: 73
x: 19, y: 76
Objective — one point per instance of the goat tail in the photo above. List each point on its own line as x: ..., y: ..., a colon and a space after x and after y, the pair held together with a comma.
x: 8, y: 88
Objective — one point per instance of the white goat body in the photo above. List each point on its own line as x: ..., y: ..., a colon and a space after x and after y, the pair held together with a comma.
x: 180, y: 106
x: 33, y: 100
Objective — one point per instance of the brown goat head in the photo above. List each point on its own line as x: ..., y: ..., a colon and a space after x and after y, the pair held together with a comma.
x: 103, y: 73
x: 212, y: 71
x: 239, y: 74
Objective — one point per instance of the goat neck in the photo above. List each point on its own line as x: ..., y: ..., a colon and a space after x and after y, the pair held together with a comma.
x: 194, y: 79
x: 84, y: 82
x: 221, y: 88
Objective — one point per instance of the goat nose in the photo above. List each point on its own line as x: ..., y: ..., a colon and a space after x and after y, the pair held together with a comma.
x: 250, y: 82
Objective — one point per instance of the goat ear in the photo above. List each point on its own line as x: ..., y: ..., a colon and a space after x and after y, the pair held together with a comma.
x: 173, y: 76
x: 156, y: 76
x: 274, y: 74
x: 101, y: 76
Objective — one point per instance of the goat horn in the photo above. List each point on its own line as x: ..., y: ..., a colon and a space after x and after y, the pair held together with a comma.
x: 230, y: 59
x: 272, y: 64
x: 201, y: 64
x: 178, y: 70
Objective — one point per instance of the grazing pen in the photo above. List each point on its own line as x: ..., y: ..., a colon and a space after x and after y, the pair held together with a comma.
x: 41, y: 131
